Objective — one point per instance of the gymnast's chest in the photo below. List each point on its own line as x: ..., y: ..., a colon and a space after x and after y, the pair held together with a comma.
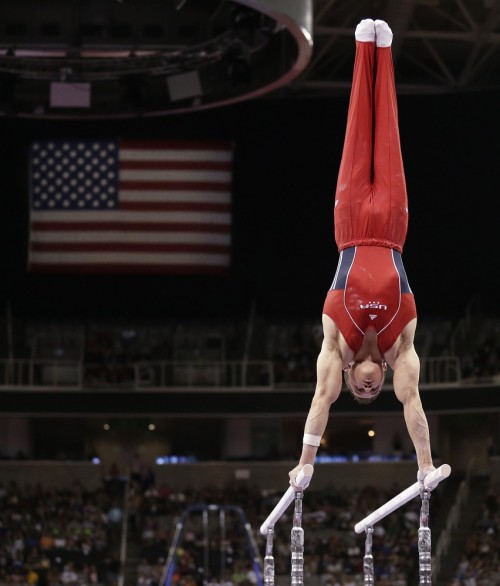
x: 372, y: 293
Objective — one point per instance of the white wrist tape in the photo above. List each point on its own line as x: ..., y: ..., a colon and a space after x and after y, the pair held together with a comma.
x: 311, y: 440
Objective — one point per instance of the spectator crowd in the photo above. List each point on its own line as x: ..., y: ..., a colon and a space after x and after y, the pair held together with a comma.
x: 57, y: 537
x: 71, y: 536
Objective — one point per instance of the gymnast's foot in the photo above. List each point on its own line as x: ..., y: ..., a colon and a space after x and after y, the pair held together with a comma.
x: 383, y: 34
x: 365, y: 31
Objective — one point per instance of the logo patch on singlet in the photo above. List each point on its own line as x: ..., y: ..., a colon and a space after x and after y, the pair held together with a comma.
x: 373, y: 305
x: 372, y: 316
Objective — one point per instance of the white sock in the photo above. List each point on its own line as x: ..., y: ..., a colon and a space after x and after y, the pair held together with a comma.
x: 383, y: 34
x: 365, y: 31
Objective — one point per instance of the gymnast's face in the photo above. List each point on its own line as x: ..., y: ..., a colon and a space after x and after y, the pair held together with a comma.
x: 365, y: 379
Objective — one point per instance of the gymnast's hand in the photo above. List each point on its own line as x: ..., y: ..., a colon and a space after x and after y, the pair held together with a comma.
x: 421, y: 474
x: 293, y: 476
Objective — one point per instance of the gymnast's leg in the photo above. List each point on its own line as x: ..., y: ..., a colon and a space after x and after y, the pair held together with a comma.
x: 389, y: 185
x: 354, y: 185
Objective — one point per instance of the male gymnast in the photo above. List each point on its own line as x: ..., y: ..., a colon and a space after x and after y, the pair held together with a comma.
x: 369, y: 316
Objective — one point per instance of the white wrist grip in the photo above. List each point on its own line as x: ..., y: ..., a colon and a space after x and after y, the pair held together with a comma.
x: 311, y: 440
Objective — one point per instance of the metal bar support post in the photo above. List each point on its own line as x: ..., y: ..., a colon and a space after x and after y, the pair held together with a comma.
x: 368, y: 574
x: 424, y: 542
x: 297, y: 542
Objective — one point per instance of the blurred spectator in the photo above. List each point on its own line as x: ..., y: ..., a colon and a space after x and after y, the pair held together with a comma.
x: 480, y: 561
x: 50, y: 537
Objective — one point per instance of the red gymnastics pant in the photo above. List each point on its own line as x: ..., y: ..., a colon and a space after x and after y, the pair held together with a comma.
x: 371, y: 204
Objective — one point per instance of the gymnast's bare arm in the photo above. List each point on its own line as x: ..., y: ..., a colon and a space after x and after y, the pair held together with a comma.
x: 328, y: 387
x: 404, y: 360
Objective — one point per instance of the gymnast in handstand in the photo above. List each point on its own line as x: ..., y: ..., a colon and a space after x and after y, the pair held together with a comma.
x: 369, y: 315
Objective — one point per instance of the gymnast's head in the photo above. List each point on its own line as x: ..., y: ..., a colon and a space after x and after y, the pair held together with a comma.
x: 365, y: 379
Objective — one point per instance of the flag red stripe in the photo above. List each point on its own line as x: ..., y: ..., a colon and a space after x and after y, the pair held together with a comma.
x: 177, y: 165
x: 127, y: 227
x: 127, y: 247
x: 176, y: 185
x: 174, y: 206
x: 129, y: 268
x: 178, y: 145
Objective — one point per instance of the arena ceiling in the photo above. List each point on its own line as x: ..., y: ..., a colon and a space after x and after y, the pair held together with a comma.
x: 439, y: 45
x: 115, y: 58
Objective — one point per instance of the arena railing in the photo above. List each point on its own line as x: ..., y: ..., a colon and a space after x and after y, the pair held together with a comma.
x: 29, y: 373
x: 76, y: 374
x: 136, y: 375
x: 441, y: 369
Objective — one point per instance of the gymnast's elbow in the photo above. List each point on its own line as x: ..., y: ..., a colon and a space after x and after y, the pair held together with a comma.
x: 408, y: 394
x: 325, y: 395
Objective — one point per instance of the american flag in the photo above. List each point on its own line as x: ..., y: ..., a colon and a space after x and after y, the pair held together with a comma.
x: 130, y: 206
